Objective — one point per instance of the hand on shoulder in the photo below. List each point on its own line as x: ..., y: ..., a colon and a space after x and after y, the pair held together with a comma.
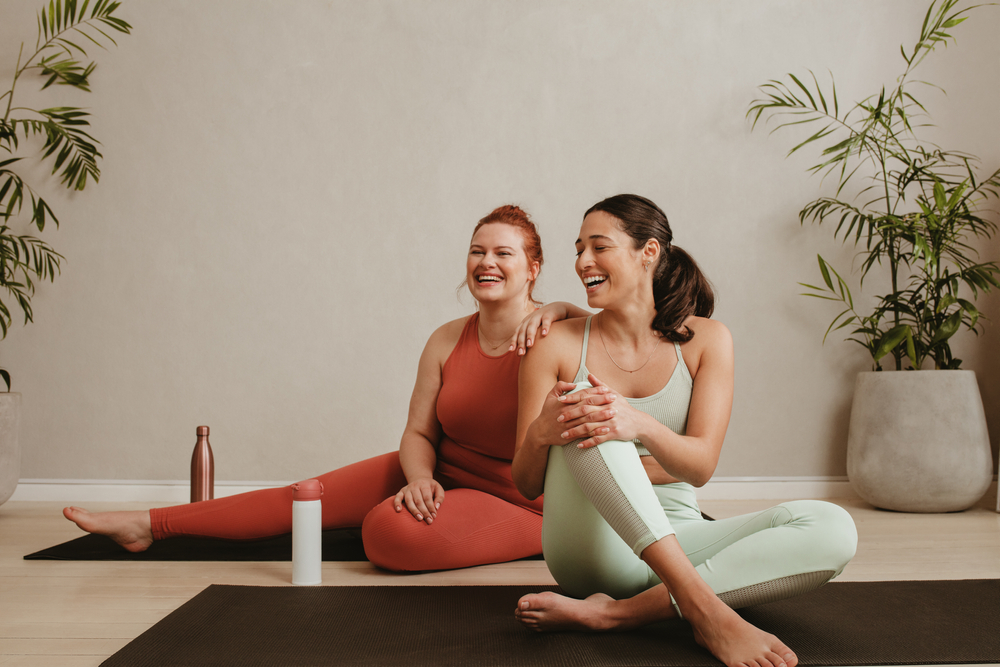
x: 536, y: 326
x: 561, y: 331
x: 558, y: 353
x: 562, y: 336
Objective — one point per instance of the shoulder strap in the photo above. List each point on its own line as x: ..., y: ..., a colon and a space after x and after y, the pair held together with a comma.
x: 586, y: 338
x: 470, y: 333
x: 581, y: 372
x: 680, y: 360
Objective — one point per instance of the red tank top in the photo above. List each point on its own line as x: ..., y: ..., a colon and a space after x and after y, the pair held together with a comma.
x: 477, y: 409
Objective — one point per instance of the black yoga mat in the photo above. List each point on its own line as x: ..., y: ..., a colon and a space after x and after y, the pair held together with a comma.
x: 337, y: 545
x: 876, y: 623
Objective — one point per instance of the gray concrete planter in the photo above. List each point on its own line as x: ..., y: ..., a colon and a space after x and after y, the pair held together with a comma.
x: 10, y: 451
x: 918, y: 441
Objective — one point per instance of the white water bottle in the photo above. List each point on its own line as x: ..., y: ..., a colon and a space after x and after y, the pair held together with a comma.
x: 307, y: 533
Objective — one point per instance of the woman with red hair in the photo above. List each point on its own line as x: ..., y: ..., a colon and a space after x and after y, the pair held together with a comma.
x: 446, y: 498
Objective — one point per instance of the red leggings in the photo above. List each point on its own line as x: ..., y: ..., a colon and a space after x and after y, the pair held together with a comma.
x: 471, y: 528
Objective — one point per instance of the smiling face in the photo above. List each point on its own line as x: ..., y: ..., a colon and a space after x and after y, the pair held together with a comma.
x: 498, y: 268
x: 608, y: 263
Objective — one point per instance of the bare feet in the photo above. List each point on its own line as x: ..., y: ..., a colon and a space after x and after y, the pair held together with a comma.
x: 719, y: 629
x: 551, y: 612
x: 131, y: 530
x: 737, y: 643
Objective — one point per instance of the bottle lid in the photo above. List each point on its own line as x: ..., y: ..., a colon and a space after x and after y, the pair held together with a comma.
x: 202, y: 430
x: 310, y: 489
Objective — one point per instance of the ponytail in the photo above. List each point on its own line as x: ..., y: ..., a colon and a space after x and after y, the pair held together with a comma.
x: 680, y: 289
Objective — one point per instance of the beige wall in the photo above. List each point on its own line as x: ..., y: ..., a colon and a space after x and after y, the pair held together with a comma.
x: 288, y: 191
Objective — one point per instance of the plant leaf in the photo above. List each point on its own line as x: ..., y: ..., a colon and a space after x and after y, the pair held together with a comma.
x: 947, y: 329
x: 891, y: 339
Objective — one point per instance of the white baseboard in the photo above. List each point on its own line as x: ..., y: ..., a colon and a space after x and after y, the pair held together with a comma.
x: 776, y: 488
x: 178, y: 491
x: 121, y: 491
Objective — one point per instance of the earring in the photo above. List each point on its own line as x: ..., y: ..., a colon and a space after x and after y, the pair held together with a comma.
x: 645, y: 267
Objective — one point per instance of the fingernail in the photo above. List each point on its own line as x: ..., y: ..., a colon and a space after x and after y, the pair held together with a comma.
x: 560, y: 418
x: 565, y: 434
x: 437, y: 506
x: 529, y: 342
x: 613, y: 412
x: 613, y: 397
x: 398, y: 508
x: 511, y: 347
x: 604, y: 431
x: 561, y: 398
x: 520, y: 351
x: 420, y: 518
x: 544, y: 331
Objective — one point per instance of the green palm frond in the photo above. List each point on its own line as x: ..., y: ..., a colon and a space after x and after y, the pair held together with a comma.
x: 66, y: 29
x: 920, y: 204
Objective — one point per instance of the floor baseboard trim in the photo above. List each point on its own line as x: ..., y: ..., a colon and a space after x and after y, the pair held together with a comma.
x: 103, y: 490
x: 776, y: 488
x: 178, y: 491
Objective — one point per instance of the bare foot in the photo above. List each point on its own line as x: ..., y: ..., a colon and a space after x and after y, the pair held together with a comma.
x: 131, y: 530
x: 551, y: 612
x: 737, y: 643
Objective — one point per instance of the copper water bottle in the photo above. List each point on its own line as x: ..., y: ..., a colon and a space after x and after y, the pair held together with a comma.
x: 202, y: 468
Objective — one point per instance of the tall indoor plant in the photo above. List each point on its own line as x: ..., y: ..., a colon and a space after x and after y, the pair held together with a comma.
x: 58, y: 136
x: 914, y: 211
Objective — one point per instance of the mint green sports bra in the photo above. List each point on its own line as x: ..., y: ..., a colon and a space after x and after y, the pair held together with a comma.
x: 669, y: 406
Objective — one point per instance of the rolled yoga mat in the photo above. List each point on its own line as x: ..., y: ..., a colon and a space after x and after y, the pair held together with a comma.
x: 852, y: 623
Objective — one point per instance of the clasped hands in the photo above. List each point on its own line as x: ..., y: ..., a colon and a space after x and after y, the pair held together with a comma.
x: 596, y: 414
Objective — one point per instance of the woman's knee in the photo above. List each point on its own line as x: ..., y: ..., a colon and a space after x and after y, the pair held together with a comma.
x: 472, y: 528
x: 833, y: 529
x: 582, y: 568
x: 389, y: 537
x: 396, y: 541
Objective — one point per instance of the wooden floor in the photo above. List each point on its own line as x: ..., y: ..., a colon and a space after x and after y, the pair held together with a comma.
x: 75, y: 614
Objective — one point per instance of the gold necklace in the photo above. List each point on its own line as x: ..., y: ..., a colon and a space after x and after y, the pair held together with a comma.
x: 600, y: 331
x: 493, y: 346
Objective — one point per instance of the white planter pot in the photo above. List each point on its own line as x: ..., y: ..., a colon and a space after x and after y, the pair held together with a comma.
x: 10, y: 451
x: 918, y: 441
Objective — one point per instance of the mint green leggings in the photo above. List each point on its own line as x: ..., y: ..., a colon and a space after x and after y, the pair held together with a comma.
x: 601, y: 511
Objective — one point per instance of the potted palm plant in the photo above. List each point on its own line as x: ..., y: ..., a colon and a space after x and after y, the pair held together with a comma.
x: 60, y: 136
x: 917, y: 438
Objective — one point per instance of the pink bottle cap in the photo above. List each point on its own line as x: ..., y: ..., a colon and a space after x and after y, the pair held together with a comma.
x: 310, y: 489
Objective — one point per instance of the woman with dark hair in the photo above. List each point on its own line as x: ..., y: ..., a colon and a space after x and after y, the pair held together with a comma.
x: 445, y: 499
x: 622, y: 533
